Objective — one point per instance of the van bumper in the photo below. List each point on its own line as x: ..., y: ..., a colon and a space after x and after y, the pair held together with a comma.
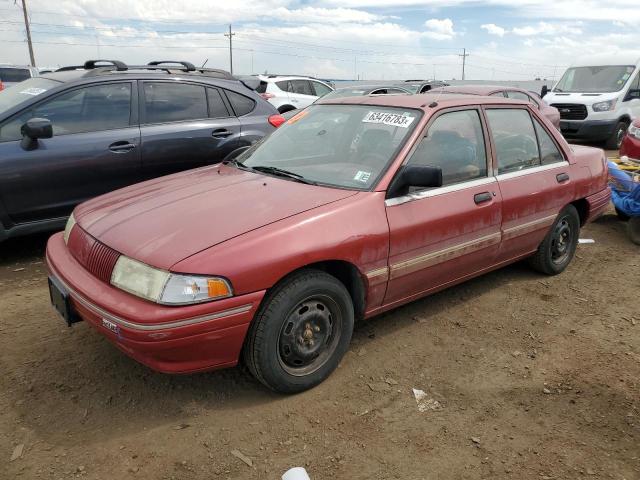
x: 590, y: 130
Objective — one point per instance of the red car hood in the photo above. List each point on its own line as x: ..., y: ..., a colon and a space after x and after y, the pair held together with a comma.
x: 166, y: 220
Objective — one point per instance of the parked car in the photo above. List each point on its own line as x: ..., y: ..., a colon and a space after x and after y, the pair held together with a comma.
x: 354, y: 207
x: 421, y: 86
x: 79, y: 132
x: 509, y: 92
x: 286, y: 92
x: 356, y: 91
x: 630, y: 145
x: 12, y: 74
x: 598, y: 97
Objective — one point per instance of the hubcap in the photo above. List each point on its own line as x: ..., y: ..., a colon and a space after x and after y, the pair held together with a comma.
x: 619, y: 137
x: 309, y: 335
x: 561, y: 241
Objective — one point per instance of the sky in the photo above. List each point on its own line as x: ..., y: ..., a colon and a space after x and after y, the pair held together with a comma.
x: 337, y: 39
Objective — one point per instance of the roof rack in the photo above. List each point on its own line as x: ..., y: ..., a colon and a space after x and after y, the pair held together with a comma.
x: 190, y: 67
x: 91, y: 65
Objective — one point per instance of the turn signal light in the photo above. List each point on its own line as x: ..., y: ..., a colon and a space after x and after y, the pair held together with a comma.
x: 218, y: 288
x: 276, y: 120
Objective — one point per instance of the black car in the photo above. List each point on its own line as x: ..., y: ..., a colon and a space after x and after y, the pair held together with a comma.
x: 72, y: 134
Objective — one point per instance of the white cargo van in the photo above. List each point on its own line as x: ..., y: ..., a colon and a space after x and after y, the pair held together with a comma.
x: 598, y: 98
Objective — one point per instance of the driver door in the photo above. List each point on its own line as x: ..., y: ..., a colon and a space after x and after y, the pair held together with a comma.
x: 440, y: 236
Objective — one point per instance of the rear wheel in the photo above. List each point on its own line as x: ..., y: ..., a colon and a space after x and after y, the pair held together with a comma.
x: 557, y: 249
x: 301, y: 332
x: 615, y: 140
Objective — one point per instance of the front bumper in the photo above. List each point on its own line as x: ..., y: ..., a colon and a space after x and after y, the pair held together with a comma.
x: 590, y: 130
x: 630, y: 147
x: 167, y: 339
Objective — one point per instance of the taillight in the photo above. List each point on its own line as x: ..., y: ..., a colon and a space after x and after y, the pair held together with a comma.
x: 1, y: 86
x: 277, y: 120
x: 267, y: 96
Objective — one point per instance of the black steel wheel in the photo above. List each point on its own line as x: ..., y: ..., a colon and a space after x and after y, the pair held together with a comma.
x: 559, y: 245
x: 301, y: 332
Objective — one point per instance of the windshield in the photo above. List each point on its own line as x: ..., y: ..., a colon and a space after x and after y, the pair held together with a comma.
x: 412, y: 87
x: 346, y: 92
x: 609, y: 78
x: 16, y: 94
x: 347, y: 146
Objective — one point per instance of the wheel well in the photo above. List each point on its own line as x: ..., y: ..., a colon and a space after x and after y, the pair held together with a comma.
x: 582, y: 206
x: 285, y: 108
x: 625, y: 118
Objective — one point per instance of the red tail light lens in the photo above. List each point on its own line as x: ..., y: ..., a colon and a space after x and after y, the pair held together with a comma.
x: 277, y: 120
x: 267, y: 96
x: 1, y: 86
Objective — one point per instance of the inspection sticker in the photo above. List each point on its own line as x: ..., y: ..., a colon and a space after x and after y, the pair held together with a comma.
x: 33, y: 91
x: 362, y: 176
x: 386, y: 118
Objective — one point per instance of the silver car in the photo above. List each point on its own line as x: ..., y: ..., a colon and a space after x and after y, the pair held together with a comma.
x: 12, y: 74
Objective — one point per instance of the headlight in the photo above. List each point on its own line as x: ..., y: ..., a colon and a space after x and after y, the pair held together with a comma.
x: 634, y: 131
x: 604, y: 106
x: 164, y: 287
x: 68, y: 227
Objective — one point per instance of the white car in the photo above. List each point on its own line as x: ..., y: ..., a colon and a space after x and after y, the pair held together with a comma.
x: 12, y: 74
x: 290, y: 92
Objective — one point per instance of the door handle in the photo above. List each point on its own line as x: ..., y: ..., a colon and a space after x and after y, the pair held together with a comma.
x: 562, y: 177
x: 121, y: 147
x: 482, y: 197
x: 221, y: 133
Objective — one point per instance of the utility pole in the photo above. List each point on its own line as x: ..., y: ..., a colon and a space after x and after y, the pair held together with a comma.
x: 464, y: 60
x: 26, y: 24
x: 230, y: 35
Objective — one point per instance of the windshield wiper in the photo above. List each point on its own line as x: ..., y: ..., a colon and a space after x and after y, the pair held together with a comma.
x: 236, y: 163
x: 283, y: 173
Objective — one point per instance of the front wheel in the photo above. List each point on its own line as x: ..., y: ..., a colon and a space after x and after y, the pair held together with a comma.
x: 301, y: 332
x: 615, y: 140
x: 557, y: 249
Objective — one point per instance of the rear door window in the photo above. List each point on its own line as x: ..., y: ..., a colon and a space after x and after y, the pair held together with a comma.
x: 89, y: 109
x: 514, y: 138
x: 241, y: 105
x: 302, y: 87
x: 285, y: 85
x: 217, y: 108
x: 549, y: 152
x: 173, y: 102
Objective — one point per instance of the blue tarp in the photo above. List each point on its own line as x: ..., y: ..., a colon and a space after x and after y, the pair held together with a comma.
x: 625, y: 194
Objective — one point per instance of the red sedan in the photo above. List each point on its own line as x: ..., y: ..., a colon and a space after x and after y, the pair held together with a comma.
x: 631, y: 142
x: 516, y: 93
x: 353, y: 207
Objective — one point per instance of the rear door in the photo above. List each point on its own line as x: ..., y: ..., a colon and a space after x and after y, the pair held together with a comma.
x: 253, y: 124
x: 94, y: 149
x: 533, y: 176
x: 441, y: 235
x: 301, y: 93
x: 184, y: 125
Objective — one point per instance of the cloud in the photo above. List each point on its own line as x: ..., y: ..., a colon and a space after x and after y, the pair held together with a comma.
x: 544, y: 28
x: 493, y: 29
x: 439, y: 29
x: 324, y: 15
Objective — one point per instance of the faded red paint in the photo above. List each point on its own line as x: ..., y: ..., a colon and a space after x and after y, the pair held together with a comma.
x: 254, y: 230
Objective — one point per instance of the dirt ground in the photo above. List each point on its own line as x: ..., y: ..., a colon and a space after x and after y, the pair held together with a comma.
x: 526, y: 376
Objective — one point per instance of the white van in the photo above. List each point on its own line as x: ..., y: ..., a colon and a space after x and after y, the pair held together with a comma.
x: 598, y: 98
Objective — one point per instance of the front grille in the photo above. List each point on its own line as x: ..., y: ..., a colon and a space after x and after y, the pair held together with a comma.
x: 571, y: 111
x: 93, y: 255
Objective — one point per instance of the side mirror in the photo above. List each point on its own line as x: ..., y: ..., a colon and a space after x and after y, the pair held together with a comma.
x: 420, y: 176
x: 544, y: 91
x: 34, y: 129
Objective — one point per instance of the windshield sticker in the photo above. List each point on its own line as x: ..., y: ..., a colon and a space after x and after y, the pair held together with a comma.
x: 297, y: 117
x: 362, y: 176
x: 33, y: 91
x: 386, y: 118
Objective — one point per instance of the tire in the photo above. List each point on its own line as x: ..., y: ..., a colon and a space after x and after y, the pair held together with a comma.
x: 300, y: 333
x: 621, y: 215
x: 633, y: 230
x: 557, y: 249
x: 285, y: 108
x: 615, y: 140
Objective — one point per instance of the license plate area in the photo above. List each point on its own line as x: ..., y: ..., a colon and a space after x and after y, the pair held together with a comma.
x: 61, y: 301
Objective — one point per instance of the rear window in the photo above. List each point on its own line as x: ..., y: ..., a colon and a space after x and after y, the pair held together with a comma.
x: 241, y: 104
x: 262, y: 88
x: 14, y: 74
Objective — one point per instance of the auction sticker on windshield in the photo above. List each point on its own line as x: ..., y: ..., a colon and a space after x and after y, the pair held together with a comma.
x: 33, y: 91
x: 386, y: 118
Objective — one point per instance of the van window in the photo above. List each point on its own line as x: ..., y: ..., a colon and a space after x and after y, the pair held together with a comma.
x: 601, y: 79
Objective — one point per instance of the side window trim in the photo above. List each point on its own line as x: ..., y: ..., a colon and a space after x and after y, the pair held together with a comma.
x: 223, y: 97
x: 142, y: 100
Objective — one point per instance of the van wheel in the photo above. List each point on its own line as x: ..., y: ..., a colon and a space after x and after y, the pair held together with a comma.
x: 557, y: 249
x: 615, y: 140
x: 300, y: 333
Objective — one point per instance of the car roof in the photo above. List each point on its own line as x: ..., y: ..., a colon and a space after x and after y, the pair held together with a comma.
x: 422, y: 101
x: 372, y: 86
x: 278, y: 78
x: 477, y: 89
